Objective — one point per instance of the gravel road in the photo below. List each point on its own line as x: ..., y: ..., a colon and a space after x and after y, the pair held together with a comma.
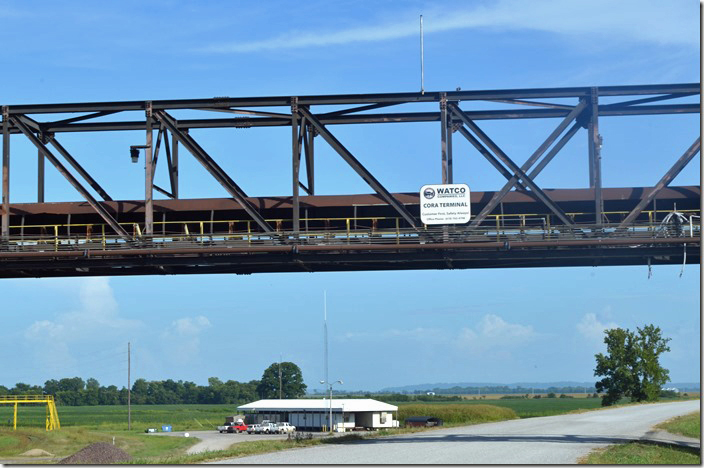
x: 548, y: 440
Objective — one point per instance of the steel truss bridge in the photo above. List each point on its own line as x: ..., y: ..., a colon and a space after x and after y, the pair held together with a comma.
x: 518, y: 225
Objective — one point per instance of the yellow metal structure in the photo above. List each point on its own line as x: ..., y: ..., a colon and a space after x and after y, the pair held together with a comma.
x: 52, y: 416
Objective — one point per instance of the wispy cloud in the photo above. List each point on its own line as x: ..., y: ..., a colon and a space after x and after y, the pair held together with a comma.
x: 491, y: 332
x: 668, y: 23
x: 494, y: 332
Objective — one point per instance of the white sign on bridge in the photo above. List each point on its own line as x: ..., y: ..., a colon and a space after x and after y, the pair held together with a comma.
x: 444, y: 204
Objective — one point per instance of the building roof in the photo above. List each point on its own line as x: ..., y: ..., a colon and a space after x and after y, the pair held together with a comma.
x: 310, y: 404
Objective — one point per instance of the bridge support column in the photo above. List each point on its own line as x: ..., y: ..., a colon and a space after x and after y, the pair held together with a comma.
x: 5, y: 227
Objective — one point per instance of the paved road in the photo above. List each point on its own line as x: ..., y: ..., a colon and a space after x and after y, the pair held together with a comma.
x: 548, y: 440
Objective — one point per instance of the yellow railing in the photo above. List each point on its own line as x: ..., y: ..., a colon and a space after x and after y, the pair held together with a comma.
x: 501, y: 223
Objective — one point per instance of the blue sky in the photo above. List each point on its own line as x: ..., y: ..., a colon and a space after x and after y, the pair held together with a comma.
x: 386, y: 328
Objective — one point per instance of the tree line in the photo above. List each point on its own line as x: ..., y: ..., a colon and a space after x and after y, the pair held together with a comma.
x: 75, y: 391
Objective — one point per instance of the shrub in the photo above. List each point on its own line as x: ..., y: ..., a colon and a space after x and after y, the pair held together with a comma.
x: 551, y: 395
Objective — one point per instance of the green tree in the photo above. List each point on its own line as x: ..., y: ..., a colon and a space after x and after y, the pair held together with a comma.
x: 291, y: 381
x: 631, y: 366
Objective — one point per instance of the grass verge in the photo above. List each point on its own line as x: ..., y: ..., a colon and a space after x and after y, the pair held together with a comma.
x: 639, y: 453
x: 688, y: 425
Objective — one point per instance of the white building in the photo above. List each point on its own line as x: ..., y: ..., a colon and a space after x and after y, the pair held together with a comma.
x: 314, y: 415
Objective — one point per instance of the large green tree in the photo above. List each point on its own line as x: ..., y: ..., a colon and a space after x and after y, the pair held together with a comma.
x: 291, y: 381
x: 631, y: 365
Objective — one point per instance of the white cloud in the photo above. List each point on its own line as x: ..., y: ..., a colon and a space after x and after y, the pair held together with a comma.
x: 591, y: 328
x: 668, y: 23
x: 182, y: 338
x: 95, y: 320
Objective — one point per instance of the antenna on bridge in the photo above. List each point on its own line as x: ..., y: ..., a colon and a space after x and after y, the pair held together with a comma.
x: 422, y: 65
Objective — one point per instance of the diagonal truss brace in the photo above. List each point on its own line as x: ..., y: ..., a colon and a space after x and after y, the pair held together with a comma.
x: 92, y: 182
x: 358, y: 167
x: 71, y: 179
x: 496, y: 199
x: 664, y: 182
x: 212, y: 167
x: 518, y: 173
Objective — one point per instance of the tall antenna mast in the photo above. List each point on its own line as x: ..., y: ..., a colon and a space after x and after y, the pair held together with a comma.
x: 422, y: 65
x: 325, y: 333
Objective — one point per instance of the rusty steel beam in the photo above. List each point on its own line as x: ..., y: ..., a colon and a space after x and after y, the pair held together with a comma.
x: 212, y: 167
x: 680, y: 164
x: 489, y: 157
x: 359, y: 168
x: 357, y: 99
x: 107, y: 217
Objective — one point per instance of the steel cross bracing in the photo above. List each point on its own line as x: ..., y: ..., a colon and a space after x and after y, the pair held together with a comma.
x: 313, y: 116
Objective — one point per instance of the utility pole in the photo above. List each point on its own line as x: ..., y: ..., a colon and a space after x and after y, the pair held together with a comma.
x: 129, y: 391
x: 280, y: 385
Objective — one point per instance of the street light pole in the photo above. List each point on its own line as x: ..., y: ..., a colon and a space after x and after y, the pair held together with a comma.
x: 330, y: 388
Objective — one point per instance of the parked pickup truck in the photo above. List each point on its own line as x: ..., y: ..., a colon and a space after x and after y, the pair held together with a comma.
x: 284, y: 427
x: 237, y: 427
x: 268, y: 428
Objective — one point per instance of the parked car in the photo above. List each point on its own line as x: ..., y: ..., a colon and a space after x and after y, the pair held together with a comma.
x: 253, y: 428
x: 284, y: 428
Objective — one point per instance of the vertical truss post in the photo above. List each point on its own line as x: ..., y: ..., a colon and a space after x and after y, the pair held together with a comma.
x: 40, y: 173
x: 5, y: 229
x: 595, y: 155
x: 443, y: 138
x: 173, y: 169
x: 448, y: 135
x: 296, y: 165
x: 310, y: 158
x: 149, y: 175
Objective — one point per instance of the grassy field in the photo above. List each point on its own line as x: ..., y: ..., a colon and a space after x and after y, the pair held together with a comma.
x: 688, y: 425
x: 114, y: 418
x: 527, y: 408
